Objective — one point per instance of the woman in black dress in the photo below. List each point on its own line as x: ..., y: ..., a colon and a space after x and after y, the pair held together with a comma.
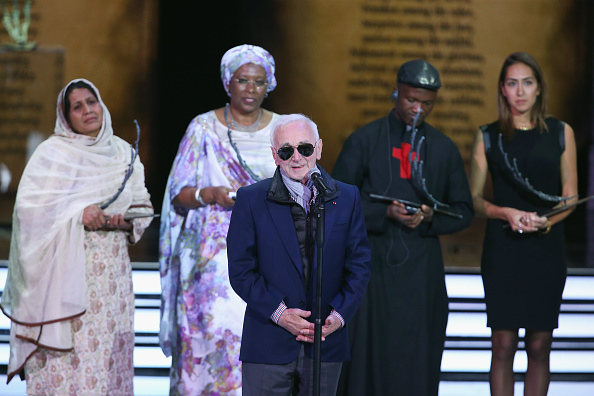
x: 532, y: 162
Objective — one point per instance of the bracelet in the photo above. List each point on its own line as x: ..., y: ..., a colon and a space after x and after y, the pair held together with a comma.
x: 199, y: 198
x: 546, y: 230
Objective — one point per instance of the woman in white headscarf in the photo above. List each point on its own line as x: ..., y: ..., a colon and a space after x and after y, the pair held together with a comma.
x: 222, y: 150
x: 69, y: 287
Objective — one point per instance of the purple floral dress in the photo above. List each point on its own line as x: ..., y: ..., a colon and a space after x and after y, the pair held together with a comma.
x: 201, y: 316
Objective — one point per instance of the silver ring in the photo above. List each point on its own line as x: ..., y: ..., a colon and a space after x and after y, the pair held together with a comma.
x: 520, y: 231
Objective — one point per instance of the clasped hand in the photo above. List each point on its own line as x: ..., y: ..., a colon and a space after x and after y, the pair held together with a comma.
x: 95, y: 218
x: 398, y: 211
x: 524, y: 222
x: 293, y: 320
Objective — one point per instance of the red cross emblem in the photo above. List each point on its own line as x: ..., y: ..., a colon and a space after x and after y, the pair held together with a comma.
x: 402, y: 155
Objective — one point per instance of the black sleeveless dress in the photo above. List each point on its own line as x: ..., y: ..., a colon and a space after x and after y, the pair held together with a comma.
x: 524, y: 274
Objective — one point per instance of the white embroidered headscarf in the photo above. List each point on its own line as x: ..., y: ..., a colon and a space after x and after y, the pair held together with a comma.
x: 46, y: 278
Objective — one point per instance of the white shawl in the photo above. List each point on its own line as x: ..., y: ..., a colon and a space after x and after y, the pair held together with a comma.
x: 46, y: 277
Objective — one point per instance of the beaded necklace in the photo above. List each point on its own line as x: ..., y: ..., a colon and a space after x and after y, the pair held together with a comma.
x: 244, y: 128
x: 239, y: 158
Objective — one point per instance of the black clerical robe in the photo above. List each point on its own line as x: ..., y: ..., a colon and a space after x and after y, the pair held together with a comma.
x: 398, y: 333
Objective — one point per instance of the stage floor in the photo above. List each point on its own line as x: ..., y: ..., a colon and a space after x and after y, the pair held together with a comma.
x: 466, y: 358
x: 159, y: 386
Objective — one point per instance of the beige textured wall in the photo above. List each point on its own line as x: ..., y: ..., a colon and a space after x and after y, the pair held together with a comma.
x: 112, y: 43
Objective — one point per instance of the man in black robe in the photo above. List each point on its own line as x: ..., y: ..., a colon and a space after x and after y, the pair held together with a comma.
x: 398, y: 334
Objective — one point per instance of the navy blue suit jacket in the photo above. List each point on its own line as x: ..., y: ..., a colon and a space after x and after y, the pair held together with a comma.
x: 265, y: 268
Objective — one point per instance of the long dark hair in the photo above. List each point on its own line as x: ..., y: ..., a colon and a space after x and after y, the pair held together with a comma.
x: 539, y: 109
x: 72, y: 87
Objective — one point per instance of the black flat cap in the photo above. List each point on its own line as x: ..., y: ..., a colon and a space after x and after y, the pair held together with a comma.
x: 419, y: 73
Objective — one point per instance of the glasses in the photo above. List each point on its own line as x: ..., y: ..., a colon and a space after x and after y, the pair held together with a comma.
x: 286, y: 152
x: 259, y: 84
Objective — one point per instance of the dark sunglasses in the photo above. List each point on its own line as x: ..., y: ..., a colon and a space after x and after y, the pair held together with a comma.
x: 286, y: 152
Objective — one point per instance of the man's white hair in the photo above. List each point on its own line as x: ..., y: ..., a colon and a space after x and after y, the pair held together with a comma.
x: 288, y: 119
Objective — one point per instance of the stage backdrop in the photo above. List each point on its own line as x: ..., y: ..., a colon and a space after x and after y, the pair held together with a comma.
x: 338, y: 61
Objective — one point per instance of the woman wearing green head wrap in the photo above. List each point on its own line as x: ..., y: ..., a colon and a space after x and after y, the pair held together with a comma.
x: 222, y: 150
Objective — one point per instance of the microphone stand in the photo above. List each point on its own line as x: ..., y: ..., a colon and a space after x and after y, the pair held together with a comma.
x: 320, y: 227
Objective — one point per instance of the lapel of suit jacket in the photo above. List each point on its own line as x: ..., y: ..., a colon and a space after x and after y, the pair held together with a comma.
x: 283, y: 222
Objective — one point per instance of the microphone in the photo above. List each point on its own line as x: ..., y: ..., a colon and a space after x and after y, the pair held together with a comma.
x: 315, y: 175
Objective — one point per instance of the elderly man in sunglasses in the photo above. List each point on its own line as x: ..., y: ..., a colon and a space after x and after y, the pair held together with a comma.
x: 273, y: 259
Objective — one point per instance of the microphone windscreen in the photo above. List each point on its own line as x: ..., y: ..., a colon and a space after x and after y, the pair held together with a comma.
x: 312, y: 171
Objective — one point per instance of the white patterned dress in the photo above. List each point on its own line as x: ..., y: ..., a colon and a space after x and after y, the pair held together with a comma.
x: 201, y: 315
x: 103, y: 337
